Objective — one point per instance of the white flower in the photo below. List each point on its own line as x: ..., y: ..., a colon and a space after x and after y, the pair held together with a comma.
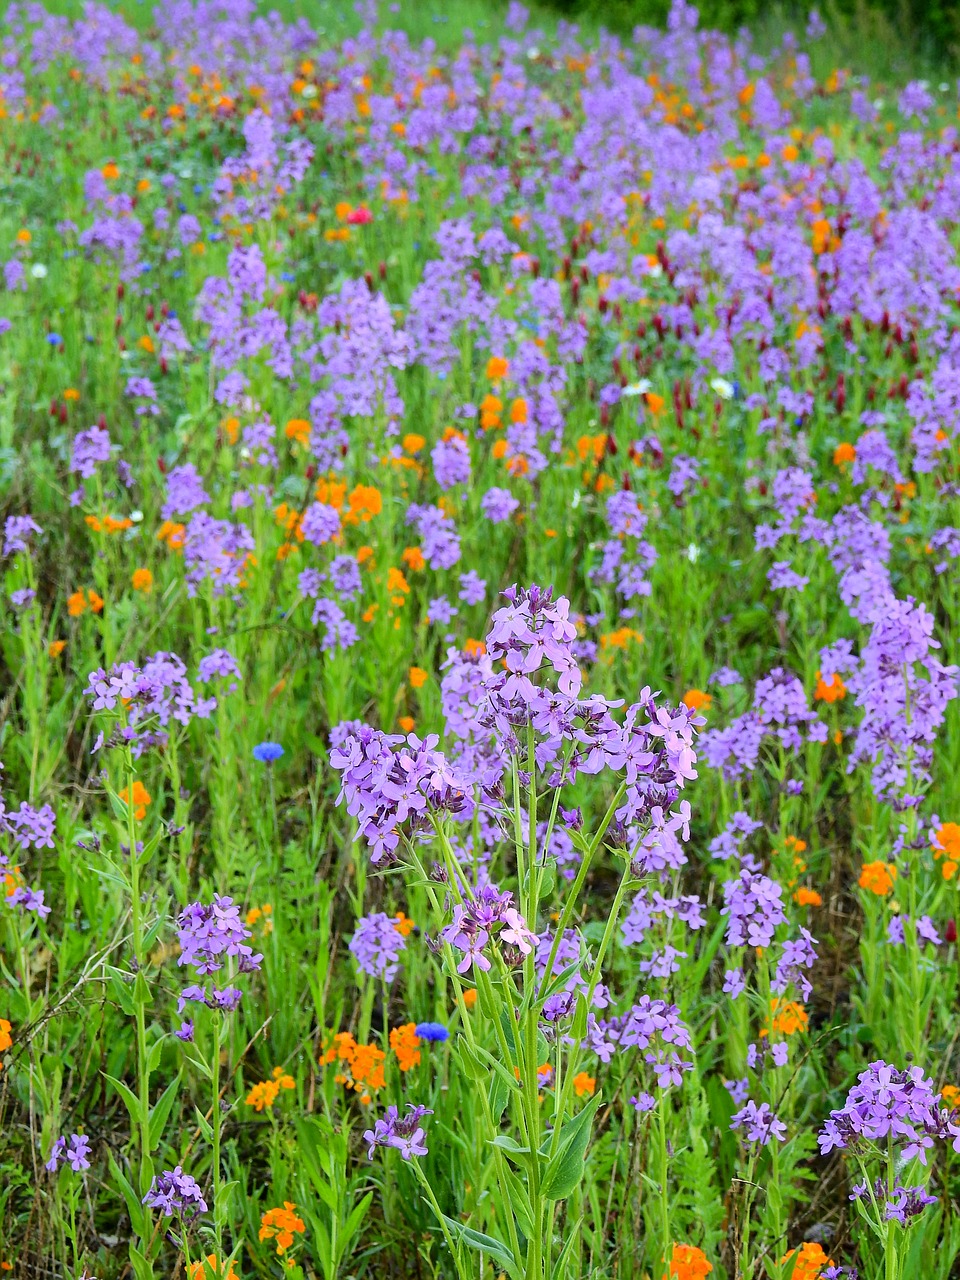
x: 693, y: 553
x: 636, y: 389
x: 309, y: 91
x: 38, y: 271
x: 654, y: 270
x: 136, y: 516
x: 723, y: 388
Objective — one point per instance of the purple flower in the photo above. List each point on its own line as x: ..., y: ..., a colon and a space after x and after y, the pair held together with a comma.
x: 498, y: 505
x: 17, y: 531
x: 176, y: 1194
x: 89, y: 448
x: 889, y: 1104
x: 76, y: 1149
x: 404, y: 1133
x: 760, y: 1124
x: 210, y: 931
x: 472, y: 587
x: 376, y: 945
x: 320, y: 523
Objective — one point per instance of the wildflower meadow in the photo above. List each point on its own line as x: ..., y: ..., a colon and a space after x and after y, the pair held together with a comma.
x: 479, y: 532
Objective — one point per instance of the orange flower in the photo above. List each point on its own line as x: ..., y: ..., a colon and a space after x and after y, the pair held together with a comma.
x: 71, y: 393
x: 475, y: 648
x: 788, y: 1017
x: 110, y: 170
x: 95, y: 601
x: 365, y: 503
x: 470, y: 997
x: 497, y: 368
x: 490, y: 409
x: 262, y: 1095
x: 298, y: 429
x: 697, y: 700
x: 56, y: 647
x: 76, y: 604
x: 809, y: 1262
x: 202, y: 1270
x: 413, y: 559
x: 280, y: 1225
x: 687, y: 1262
x: 946, y: 845
x: 655, y: 403
x: 141, y: 798
x: 24, y: 236
x: 361, y: 1064
x: 145, y: 343
x: 404, y: 925
x: 142, y: 580
x: 807, y: 898
x: 584, y: 1085
x: 843, y: 453
x: 6, y: 1040
x: 413, y: 443
x: 396, y: 582
x: 418, y: 677
x: 878, y: 877
x: 949, y: 1093
x: 172, y: 534
x: 407, y: 723
x: 405, y: 1043
x: 821, y: 235
x: 831, y: 690
x: 518, y: 410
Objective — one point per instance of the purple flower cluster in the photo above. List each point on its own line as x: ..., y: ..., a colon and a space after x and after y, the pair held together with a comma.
x: 376, y: 945
x: 889, y: 1105
x: 176, y: 1194
x: 75, y: 1150
x: 404, y: 1133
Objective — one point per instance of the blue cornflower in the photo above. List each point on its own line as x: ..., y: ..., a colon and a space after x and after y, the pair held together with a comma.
x: 267, y: 752
x: 432, y: 1031
x: 54, y: 339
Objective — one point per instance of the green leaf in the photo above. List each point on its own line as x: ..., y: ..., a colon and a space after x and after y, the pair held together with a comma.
x: 519, y: 1202
x: 134, y: 1208
x: 493, y: 1248
x: 129, y: 1097
x: 352, y: 1224
x: 142, y: 1268
x: 203, y: 1124
x: 161, y: 1112
x: 565, y: 1167
x: 560, y: 1266
x: 509, y: 1145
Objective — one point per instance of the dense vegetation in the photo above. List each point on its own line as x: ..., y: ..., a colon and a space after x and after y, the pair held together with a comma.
x: 481, y: 753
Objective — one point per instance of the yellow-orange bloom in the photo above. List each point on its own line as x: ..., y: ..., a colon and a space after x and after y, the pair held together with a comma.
x: 298, y: 429
x: 807, y: 898
x: 203, y: 1269
x: 142, y: 580
x: 497, y: 368
x: 584, y: 1085
x: 141, y: 798
x: 56, y: 647
x: 831, y: 690
x: 697, y: 700
x: 418, y: 677
x: 405, y: 1043
x: 878, y: 877
x: 280, y: 1225
x: 844, y: 452
x: 413, y: 559
x: 809, y: 1262
x: 788, y: 1017
x: 687, y: 1262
